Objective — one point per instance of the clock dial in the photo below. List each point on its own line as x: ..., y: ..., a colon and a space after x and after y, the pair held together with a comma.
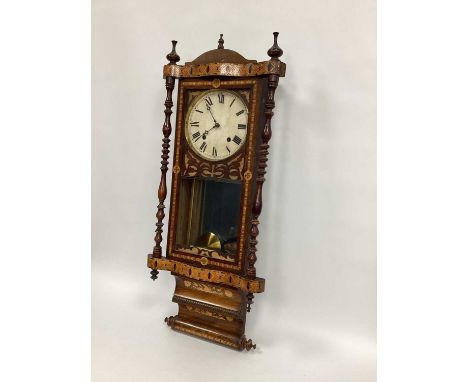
x: 216, y: 124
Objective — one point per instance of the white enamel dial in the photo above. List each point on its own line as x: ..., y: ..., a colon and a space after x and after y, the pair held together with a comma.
x: 216, y: 124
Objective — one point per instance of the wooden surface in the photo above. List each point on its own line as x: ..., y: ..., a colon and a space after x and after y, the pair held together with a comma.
x: 210, y: 312
x: 213, y: 295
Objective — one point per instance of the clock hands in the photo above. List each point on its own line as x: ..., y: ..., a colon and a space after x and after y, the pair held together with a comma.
x: 216, y: 125
x: 214, y: 119
x: 207, y: 131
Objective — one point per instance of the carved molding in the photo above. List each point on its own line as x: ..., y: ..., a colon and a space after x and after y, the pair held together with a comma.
x: 176, y: 323
x: 186, y: 301
x: 232, y: 169
x: 203, y: 334
x: 214, y: 254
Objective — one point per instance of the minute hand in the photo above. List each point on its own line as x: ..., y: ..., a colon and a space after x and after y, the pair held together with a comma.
x: 209, y: 109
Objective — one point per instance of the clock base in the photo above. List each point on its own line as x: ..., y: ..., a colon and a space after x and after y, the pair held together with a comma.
x: 211, y: 312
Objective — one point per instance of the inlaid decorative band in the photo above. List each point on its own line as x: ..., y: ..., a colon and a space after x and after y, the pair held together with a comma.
x: 256, y: 285
x: 251, y: 69
x: 208, y: 288
x: 209, y: 313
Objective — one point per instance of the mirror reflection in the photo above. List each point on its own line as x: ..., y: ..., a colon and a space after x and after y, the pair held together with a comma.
x: 208, y: 216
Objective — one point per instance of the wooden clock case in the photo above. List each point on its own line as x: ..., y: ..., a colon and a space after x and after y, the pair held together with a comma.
x: 213, y: 292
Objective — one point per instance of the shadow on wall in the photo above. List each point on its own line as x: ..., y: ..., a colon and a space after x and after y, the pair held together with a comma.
x: 288, y: 224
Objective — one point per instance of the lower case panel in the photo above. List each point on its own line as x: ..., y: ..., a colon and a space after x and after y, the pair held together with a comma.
x: 212, y: 312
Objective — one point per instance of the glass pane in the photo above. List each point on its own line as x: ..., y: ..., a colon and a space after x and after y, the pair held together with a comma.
x: 208, y: 217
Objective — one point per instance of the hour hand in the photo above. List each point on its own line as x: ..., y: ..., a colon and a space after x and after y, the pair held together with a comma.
x: 214, y: 127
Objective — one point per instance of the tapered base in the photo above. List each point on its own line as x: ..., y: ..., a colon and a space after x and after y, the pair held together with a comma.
x: 211, y: 312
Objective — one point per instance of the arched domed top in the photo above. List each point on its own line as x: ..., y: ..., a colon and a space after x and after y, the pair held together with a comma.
x: 221, y: 55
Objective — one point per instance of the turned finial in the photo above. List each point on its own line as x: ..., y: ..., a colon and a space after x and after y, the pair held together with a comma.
x: 275, y: 51
x: 250, y: 301
x: 154, y: 274
x: 246, y: 344
x: 173, y: 57
x: 169, y: 321
x: 221, y: 42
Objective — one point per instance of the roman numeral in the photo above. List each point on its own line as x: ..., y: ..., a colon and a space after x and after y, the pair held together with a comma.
x: 196, y: 136
x: 215, y: 153
x: 203, y: 146
x: 227, y: 148
x: 221, y: 98
x: 199, y: 111
x: 241, y: 126
x: 208, y: 101
x: 237, y: 140
x: 239, y: 112
x: 196, y: 124
x: 232, y: 102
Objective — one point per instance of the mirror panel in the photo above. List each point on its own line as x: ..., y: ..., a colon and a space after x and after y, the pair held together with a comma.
x: 208, y: 217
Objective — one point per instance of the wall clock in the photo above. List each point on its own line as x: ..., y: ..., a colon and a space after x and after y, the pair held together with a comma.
x: 223, y: 127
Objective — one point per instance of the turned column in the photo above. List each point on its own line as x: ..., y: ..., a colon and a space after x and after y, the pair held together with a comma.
x: 173, y: 58
x: 274, y: 52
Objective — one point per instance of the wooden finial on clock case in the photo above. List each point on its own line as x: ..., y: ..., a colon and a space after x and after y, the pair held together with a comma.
x: 275, y: 52
x: 221, y: 42
x: 173, y: 57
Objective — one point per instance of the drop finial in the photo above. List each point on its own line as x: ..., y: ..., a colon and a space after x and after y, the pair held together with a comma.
x: 173, y: 57
x: 221, y: 42
x: 275, y: 51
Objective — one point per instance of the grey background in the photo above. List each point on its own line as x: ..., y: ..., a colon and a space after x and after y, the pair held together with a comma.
x: 317, y: 317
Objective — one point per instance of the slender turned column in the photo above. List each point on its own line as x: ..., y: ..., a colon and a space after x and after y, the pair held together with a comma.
x: 173, y: 58
x: 274, y: 52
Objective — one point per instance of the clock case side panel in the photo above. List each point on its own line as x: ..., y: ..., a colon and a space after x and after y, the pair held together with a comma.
x: 247, y: 175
